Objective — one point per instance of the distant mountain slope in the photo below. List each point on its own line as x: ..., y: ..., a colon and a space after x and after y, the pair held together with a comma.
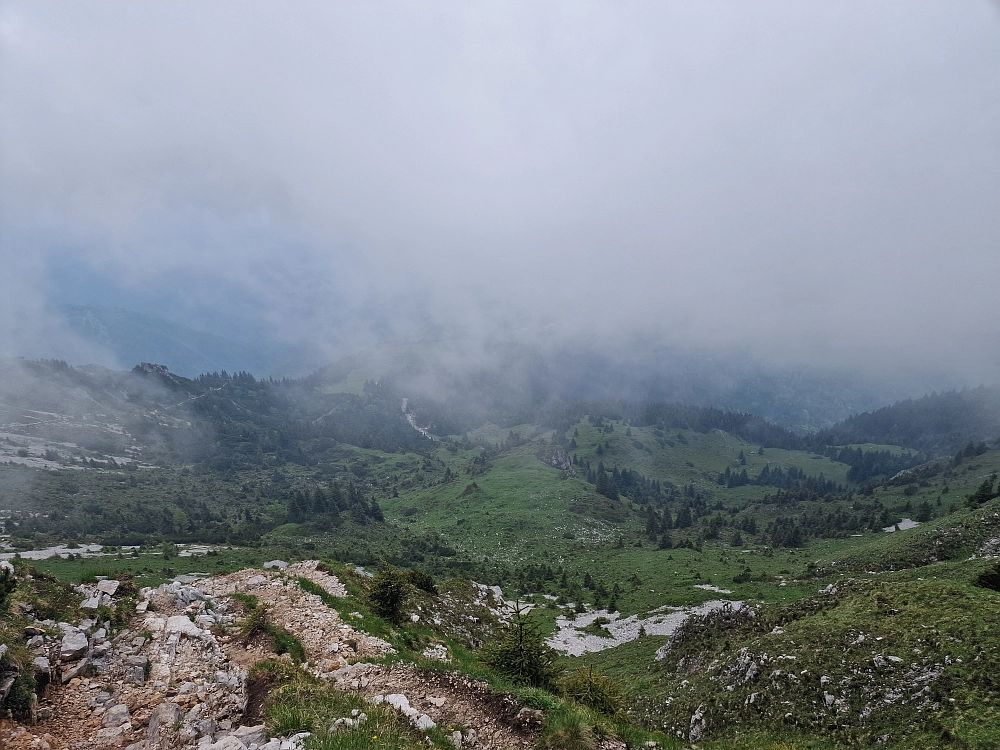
x: 502, y: 380
x: 508, y: 382
x: 134, y: 338
x: 938, y: 423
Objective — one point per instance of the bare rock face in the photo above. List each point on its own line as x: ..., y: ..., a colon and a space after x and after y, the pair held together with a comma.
x: 528, y: 717
x: 226, y: 743
x: 251, y: 735
x: 182, y: 624
x: 75, y: 670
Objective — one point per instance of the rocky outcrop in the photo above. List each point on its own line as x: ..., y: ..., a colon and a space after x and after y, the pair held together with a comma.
x: 555, y: 457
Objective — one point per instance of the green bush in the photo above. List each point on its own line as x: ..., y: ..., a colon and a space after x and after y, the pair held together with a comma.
x: 422, y: 581
x: 568, y: 730
x: 594, y: 690
x: 388, y: 593
x: 7, y: 582
x: 254, y: 624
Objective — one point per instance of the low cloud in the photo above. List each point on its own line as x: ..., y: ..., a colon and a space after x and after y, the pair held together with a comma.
x: 807, y: 183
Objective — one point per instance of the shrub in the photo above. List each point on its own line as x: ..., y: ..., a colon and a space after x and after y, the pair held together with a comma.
x: 422, y: 581
x: 7, y: 581
x: 568, y: 730
x: 255, y: 623
x: 388, y: 593
x: 594, y: 690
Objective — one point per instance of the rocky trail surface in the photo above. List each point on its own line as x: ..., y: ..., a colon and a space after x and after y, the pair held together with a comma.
x: 176, y: 676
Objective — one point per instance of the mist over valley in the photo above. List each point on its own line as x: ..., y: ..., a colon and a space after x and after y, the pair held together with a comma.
x: 578, y: 376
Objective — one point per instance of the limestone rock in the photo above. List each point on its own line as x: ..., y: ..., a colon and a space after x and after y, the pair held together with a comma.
x: 398, y: 701
x: 107, y: 586
x: 699, y: 725
x: 75, y: 670
x: 164, y: 717
x: 250, y: 735
x: 529, y: 716
x: 116, y: 716
x: 226, y: 743
x: 74, y: 646
x: 181, y: 624
x: 424, y: 722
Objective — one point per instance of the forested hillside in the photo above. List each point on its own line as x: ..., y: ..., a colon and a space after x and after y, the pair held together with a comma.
x: 941, y: 423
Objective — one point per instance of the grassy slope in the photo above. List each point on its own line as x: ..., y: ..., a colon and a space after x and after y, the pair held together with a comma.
x: 710, y: 453
x: 520, y: 511
x: 526, y: 511
x: 911, y: 658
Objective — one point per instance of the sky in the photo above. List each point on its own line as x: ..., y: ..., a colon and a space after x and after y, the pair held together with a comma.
x: 816, y: 183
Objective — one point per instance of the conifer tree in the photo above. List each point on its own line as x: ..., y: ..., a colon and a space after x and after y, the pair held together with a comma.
x: 521, y: 653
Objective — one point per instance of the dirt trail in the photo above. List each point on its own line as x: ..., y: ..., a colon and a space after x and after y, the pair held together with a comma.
x: 179, y: 660
x: 452, y: 701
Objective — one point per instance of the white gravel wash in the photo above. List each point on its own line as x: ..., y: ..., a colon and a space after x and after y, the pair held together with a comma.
x: 710, y: 587
x: 904, y: 525
x: 569, y: 640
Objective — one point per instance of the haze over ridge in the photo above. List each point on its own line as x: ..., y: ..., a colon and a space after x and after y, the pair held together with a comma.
x: 811, y: 184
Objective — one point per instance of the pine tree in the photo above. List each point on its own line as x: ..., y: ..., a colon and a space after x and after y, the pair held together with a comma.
x: 984, y: 493
x: 924, y: 512
x: 521, y: 653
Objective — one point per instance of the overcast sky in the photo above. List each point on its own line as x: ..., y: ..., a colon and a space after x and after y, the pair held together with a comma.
x: 818, y: 182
